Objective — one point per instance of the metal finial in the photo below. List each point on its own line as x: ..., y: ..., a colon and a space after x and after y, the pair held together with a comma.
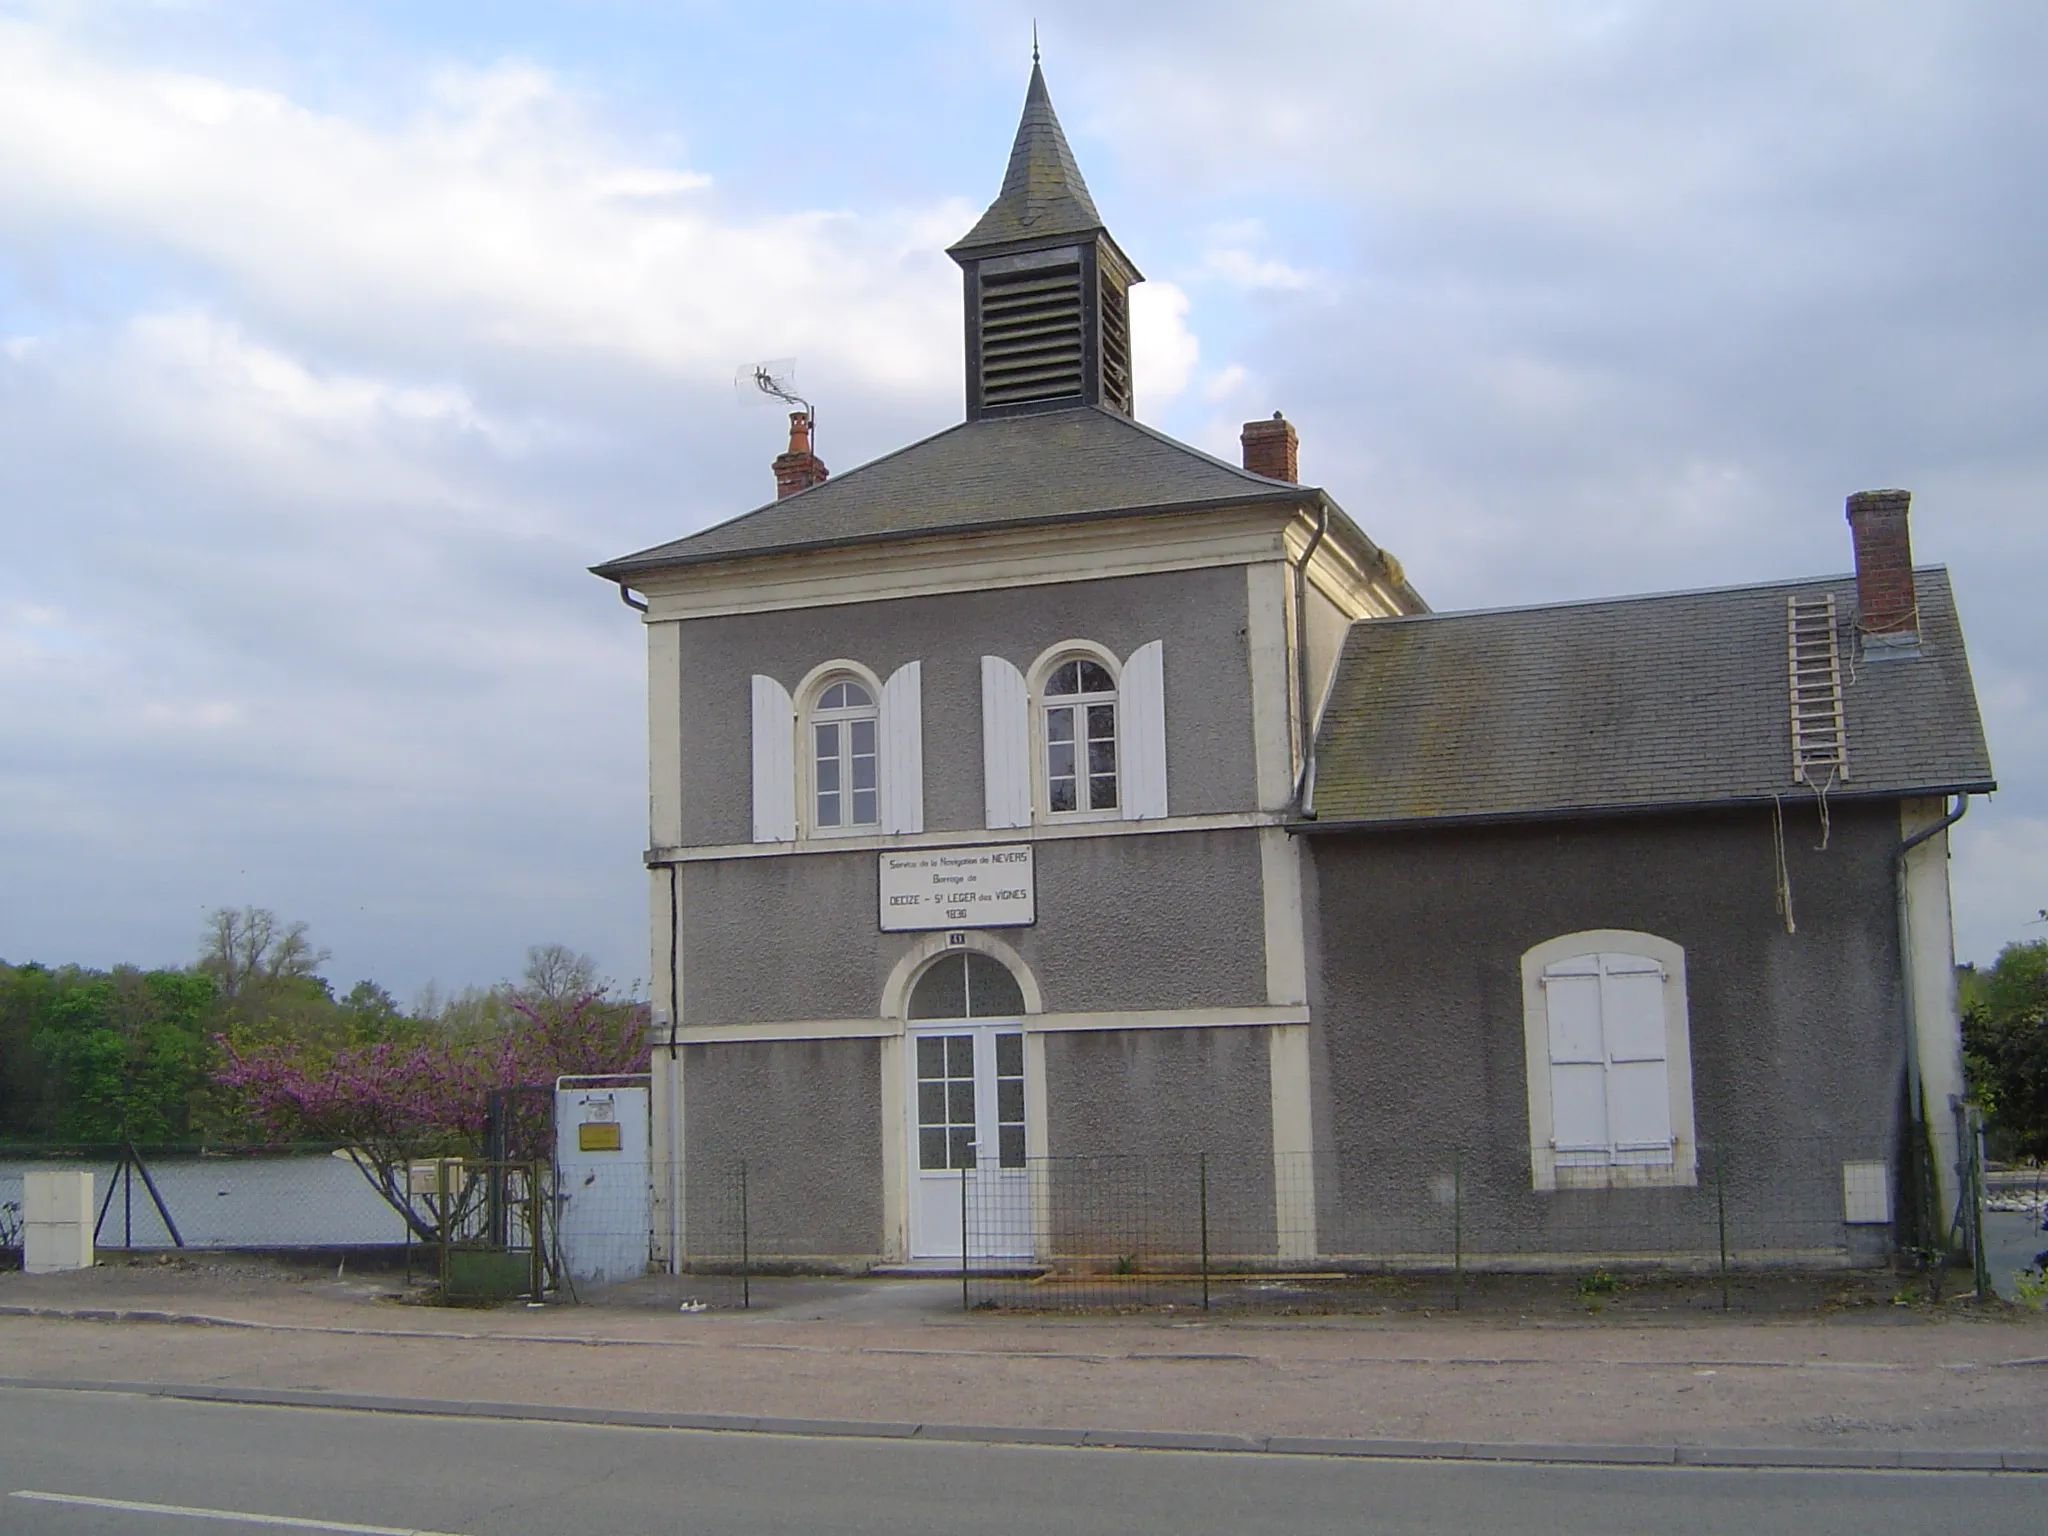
x: 1034, y: 39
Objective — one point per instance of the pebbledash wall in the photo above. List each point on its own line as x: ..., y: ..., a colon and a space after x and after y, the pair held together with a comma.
x: 1199, y: 616
x: 1128, y: 918
x: 1798, y: 1040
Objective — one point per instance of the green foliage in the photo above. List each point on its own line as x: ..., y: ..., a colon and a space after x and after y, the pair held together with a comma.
x: 102, y: 1056
x: 2005, y: 1045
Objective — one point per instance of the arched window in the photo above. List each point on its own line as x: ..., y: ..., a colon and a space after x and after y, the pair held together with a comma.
x: 1079, y: 718
x: 1609, y: 1061
x: 966, y: 985
x: 845, y: 756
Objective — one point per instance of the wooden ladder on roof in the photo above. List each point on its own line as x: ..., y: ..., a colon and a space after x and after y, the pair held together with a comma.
x: 1820, y: 743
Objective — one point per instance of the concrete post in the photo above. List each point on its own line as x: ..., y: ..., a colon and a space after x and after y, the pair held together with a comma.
x: 57, y: 1222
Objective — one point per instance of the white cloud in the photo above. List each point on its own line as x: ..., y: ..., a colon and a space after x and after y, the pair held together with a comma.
x: 1245, y: 270
x: 497, y: 215
x: 1224, y: 383
x: 1164, y: 351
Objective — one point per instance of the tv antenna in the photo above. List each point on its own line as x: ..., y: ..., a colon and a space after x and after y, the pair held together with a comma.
x: 777, y: 377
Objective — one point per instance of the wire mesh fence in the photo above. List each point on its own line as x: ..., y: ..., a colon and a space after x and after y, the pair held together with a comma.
x: 1367, y: 1227
x: 1417, y: 1226
x: 294, y: 1197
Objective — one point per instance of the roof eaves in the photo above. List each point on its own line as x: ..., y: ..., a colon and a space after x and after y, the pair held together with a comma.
x: 1312, y: 825
x: 633, y: 564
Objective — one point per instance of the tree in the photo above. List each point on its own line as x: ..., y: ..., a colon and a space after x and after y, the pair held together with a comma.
x: 125, y: 1052
x: 2005, y: 1046
x: 556, y: 973
x: 390, y: 1102
x: 265, y: 969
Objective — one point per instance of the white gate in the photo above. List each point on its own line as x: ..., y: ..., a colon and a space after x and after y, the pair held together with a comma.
x: 605, y: 1214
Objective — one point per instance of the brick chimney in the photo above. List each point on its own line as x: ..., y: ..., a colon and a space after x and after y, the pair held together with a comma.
x: 1269, y: 448
x: 1887, y: 613
x: 799, y: 469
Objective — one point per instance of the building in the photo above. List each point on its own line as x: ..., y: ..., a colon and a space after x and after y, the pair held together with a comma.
x: 1049, y: 790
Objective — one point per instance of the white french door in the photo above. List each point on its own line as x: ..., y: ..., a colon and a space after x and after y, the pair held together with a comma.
x: 970, y: 1181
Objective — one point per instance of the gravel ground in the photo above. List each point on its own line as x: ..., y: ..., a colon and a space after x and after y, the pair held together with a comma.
x: 1953, y: 1376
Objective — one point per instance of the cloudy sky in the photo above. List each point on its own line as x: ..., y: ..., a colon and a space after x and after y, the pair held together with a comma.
x: 336, y: 340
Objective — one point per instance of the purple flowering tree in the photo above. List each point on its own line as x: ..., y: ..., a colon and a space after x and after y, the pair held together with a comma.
x: 391, y: 1102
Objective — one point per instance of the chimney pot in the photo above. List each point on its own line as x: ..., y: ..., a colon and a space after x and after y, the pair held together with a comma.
x: 1887, y: 610
x: 1270, y: 448
x: 798, y: 469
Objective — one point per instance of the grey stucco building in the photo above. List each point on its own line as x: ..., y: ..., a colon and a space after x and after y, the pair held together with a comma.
x: 1049, y: 789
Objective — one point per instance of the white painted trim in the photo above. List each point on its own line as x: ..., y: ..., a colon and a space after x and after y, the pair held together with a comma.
x: 1268, y: 645
x: 1683, y: 1169
x: 1037, y: 1138
x: 1067, y: 650
x: 1034, y: 683
x: 1286, y: 937
x: 803, y: 760
x: 1141, y: 734
x: 814, y: 681
x: 1034, y: 1023
x: 896, y: 990
x: 901, y: 735
x: 974, y: 561
x: 1228, y: 821
x: 895, y: 1148
x: 774, y: 730
x: 1294, y: 1173
x: 664, y: 733
x: 1928, y: 945
x: 1005, y: 745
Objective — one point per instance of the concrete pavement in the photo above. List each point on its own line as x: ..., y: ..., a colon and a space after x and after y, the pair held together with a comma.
x: 1870, y: 1388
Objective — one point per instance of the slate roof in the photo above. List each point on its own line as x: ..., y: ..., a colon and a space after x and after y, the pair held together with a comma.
x: 1632, y: 703
x: 1043, y: 193
x: 1051, y: 466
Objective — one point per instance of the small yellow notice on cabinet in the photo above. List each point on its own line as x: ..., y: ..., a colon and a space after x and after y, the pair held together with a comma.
x: 598, y: 1136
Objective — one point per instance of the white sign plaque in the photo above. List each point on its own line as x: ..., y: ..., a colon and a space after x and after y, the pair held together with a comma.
x: 958, y: 888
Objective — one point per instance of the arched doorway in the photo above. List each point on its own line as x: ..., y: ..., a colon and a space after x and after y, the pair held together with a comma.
x: 970, y: 1153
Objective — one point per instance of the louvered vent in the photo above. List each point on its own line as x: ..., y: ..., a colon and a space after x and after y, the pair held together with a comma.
x: 1031, y: 335
x: 1820, y: 746
x: 1116, y: 346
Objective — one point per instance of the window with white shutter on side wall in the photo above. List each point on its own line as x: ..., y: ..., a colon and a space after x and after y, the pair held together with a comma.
x: 903, y: 750
x: 1638, y: 1085
x: 774, y: 762
x: 1005, y: 744
x: 1610, y: 1090
x: 1141, y: 692
x: 1578, y: 1061
x: 1608, y: 1047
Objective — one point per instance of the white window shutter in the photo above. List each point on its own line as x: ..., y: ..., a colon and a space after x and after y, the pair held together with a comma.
x: 774, y: 762
x: 1638, y: 1086
x: 1578, y: 1088
x: 903, y: 750
x: 1141, y: 733
x: 1005, y: 744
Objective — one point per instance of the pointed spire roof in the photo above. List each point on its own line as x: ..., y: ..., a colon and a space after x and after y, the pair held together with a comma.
x: 1043, y: 193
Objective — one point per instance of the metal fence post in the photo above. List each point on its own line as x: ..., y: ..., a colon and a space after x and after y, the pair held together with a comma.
x: 1982, y: 1260
x: 746, y: 1244
x: 1457, y: 1229
x: 441, y: 1217
x: 963, y: 1239
x: 1721, y: 1216
x: 1204, y: 1177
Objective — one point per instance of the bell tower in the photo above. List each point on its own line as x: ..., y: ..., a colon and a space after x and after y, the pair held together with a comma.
x: 1047, y: 289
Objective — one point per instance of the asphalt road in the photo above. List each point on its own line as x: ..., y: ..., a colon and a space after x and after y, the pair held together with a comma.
x: 312, y: 1469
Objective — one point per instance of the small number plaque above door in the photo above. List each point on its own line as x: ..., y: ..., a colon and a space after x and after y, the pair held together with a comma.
x: 958, y: 888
